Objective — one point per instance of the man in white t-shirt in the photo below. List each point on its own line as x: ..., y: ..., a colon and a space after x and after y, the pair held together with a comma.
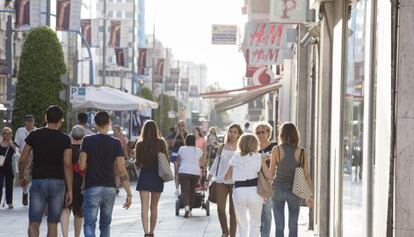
x: 19, y: 140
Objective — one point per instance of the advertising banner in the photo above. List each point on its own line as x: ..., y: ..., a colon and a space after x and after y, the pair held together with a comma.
x: 28, y: 13
x: 159, y: 70
x: 175, y: 74
x: 289, y: 11
x: 68, y: 15
x: 90, y: 32
x: 115, y: 37
x: 142, y: 61
x: 119, y: 34
x: 224, y: 34
x: 266, y: 43
x: 250, y: 70
x: 185, y: 82
x: 121, y: 57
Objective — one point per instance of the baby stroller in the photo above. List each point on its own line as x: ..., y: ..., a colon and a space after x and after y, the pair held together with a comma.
x: 200, y: 199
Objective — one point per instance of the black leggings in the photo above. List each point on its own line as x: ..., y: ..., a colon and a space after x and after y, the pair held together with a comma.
x: 188, y: 183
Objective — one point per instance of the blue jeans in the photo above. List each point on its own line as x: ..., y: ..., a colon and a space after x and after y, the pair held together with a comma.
x: 282, y: 195
x: 266, y: 218
x: 48, y: 193
x: 94, y: 199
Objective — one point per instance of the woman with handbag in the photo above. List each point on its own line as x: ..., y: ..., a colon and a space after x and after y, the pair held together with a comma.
x: 150, y: 185
x: 244, y: 169
x: 263, y: 131
x: 190, y: 159
x: 7, y: 149
x: 224, y: 188
x: 286, y: 158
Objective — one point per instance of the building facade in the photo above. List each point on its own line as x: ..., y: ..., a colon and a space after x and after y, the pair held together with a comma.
x: 360, y: 117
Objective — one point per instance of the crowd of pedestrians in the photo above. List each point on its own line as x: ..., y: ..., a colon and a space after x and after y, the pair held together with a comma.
x: 80, y: 173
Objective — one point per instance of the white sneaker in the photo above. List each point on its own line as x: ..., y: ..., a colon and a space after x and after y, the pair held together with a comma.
x: 177, y: 192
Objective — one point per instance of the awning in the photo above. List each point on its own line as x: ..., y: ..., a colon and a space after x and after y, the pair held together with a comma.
x: 245, y: 97
x: 107, y: 98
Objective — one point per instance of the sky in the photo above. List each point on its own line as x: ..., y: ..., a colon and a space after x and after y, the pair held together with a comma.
x: 185, y: 27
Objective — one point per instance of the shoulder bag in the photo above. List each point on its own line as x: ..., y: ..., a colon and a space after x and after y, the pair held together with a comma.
x: 300, y: 186
x: 264, y: 187
x: 3, y: 157
x: 212, y: 189
x: 164, y: 169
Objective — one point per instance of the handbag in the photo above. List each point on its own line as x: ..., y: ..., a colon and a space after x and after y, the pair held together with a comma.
x: 164, y: 169
x: 212, y: 189
x: 3, y: 157
x: 300, y: 186
x: 264, y: 187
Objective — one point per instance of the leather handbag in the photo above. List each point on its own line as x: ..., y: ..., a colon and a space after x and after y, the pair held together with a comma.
x: 264, y: 187
x: 300, y: 187
x: 3, y: 157
x: 164, y: 169
x: 212, y: 189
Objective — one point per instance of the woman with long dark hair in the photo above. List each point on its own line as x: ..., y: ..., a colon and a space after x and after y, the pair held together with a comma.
x: 150, y: 185
x: 177, y: 141
x: 285, y: 158
x: 225, y: 187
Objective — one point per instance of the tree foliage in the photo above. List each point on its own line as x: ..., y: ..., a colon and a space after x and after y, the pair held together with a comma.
x: 165, y: 104
x: 38, y: 83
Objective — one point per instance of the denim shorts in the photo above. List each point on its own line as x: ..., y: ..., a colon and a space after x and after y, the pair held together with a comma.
x: 174, y: 157
x: 46, y: 192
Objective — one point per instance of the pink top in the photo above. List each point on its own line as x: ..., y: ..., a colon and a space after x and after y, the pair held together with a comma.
x: 200, y: 143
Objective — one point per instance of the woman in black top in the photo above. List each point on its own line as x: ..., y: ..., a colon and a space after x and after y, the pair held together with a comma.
x: 7, y: 150
x: 177, y: 141
x: 263, y: 131
x: 149, y: 185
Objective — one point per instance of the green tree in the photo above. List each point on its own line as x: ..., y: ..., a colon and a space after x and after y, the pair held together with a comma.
x: 165, y: 104
x: 146, y: 93
x: 38, y: 83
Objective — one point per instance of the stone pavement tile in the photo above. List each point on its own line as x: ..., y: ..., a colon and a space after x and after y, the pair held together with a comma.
x: 126, y: 223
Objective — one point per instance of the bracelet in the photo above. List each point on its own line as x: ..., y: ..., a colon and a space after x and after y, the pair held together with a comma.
x: 129, y: 195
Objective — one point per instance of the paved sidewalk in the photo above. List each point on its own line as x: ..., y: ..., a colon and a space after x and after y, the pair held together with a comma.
x: 128, y: 223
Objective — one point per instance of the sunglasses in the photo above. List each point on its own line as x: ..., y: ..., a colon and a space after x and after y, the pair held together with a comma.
x: 260, y: 132
x: 7, y: 133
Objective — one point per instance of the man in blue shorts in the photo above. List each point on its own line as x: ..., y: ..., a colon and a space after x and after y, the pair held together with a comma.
x: 52, y: 166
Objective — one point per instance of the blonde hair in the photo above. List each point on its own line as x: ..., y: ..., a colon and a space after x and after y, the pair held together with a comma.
x: 266, y: 126
x: 6, y: 129
x: 248, y: 143
x: 289, y: 134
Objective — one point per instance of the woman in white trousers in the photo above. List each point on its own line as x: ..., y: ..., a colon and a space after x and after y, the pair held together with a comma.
x: 244, y: 167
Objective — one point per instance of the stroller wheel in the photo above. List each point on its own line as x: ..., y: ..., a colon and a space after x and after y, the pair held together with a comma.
x: 207, y: 208
x: 177, y: 207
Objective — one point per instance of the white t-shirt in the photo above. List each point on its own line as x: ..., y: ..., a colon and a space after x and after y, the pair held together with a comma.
x: 20, y: 137
x: 246, y: 167
x: 224, y: 158
x: 190, y: 160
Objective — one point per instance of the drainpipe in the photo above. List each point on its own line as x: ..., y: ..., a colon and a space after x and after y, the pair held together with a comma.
x: 395, y: 12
